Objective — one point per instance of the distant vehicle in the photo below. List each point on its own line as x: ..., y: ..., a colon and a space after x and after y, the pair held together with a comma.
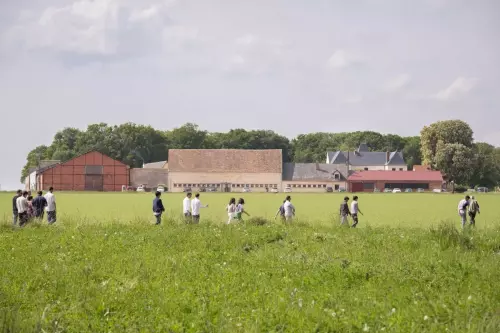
x: 274, y: 190
x: 396, y: 190
x: 212, y: 189
x: 376, y: 190
x: 420, y: 190
x: 471, y: 190
x: 482, y: 189
x: 187, y: 189
x: 387, y: 190
x: 202, y: 189
x: 342, y: 189
x: 141, y: 188
x: 247, y: 189
x: 408, y: 190
x: 437, y: 190
x: 160, y: 188
x: 287, y: 189
x: 329, y: 189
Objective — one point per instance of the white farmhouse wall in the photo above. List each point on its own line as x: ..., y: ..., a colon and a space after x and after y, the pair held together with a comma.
x: 379, y: 167
x: 178, y: 180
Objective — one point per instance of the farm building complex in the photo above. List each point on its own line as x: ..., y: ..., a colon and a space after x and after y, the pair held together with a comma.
x: 224, y: 169
x: 232, y: 170
x: 92, y: 171
x: 368, y: 181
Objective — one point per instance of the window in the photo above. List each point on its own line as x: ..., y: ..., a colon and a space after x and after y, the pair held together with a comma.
x: 368, y: 186
x: 308, y: 185
x: 425, y: 186
x: 289, y: 185
x: 324, y: 185
x: 336, y: 176
x: 366, y: 169
x: 393, y: 169
x: 400, y: 169
x: 337, y: 187
x: 275, y: 185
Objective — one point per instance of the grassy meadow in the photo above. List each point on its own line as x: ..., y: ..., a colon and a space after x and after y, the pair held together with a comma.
x: 104, y: 266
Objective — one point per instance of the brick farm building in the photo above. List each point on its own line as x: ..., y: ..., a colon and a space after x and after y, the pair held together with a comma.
x: 92, y: 171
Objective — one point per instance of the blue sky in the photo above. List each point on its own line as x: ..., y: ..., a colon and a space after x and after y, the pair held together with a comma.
x: 294, y: 66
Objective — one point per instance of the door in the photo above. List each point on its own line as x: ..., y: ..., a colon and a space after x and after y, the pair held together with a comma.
x: 94, y: 183
x: 356, y: 187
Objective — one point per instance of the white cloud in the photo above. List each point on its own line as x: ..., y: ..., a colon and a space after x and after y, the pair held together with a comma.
x: 460, y: 86
x: 247, y: 40
x: 354, y: 99
x: 143, y: 14
x: 397, y: 83
x: 98, y: 27
x: 343, y: 58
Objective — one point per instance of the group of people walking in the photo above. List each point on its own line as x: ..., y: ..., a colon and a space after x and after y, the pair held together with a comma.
x: 235, y: 209
x: 26, y: 208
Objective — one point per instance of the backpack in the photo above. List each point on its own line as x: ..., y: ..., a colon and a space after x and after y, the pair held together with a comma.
x: 473, y: 206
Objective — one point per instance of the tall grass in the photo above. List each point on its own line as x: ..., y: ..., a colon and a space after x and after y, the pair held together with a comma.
x: 97, y: 275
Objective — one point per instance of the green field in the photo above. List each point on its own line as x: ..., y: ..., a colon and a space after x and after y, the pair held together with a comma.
x: 104, y: 267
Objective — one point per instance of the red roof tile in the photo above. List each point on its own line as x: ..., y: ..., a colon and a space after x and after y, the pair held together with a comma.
x: 402, y: 176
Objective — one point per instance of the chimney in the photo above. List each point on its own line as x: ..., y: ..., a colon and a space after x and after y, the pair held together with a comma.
x: 387, y: 156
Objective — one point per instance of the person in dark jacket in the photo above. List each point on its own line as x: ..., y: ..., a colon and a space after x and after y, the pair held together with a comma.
x: 15, y: 213
x: 39, y: 204
x: 281, y: 212
x: 158, y: 208
x: 344, y: 211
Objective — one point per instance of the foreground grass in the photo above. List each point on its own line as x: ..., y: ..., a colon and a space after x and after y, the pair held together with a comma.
x: 135, y: 277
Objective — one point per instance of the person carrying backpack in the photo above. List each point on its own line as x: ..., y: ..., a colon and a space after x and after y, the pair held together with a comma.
x: 473, y: 210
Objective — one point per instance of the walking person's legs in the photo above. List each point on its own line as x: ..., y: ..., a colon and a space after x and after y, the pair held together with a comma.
x: 51, y: 217
x: 158, y: 219
x: 472, y: 217
x: 196, y: 219
x: 343, y: 220
x: 355, y: 220
x: 463, y: 218
x: 15, y: 217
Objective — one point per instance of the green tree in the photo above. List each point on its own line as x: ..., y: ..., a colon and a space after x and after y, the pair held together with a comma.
x: 444, y: 132
x: 411, y: 151
x: 456, y: 161
x: 34, y: 157
x: 487, y: 165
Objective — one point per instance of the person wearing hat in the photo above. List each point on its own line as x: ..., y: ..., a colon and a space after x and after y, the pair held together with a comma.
x: 473, y: 210
x: 344, y: 211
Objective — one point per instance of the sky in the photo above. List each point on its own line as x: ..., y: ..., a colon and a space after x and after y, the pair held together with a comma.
x: 293, y: 66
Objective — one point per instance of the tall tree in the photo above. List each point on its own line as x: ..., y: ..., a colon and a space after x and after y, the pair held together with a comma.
x: 444, y: 132
x: 487, y: 165
x: 456, y: 161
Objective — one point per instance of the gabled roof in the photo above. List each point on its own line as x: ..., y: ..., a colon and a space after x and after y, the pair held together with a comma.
x: 313, y: 172
x: 398, y: 176
x: 364, y: 158
x: 225, y: 160
x: 44, y: 165
x: 155, y: 165
x: 363, y: 148
x: 396, y: 158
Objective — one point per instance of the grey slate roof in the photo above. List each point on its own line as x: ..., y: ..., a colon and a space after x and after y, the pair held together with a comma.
x: 366, y: 158
x: 155, y: 165
x: 313, y: 171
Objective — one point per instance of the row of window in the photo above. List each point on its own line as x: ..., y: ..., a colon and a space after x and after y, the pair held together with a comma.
x: 308, y: 185
x: 230, y: 185
x: 393, y: 169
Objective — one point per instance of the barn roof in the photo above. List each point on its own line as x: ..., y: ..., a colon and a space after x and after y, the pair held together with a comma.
x: 74, y: 158
x: 225, y: 160
x: 155, y: 165
x: 313, y: 171
x: 400, y: 176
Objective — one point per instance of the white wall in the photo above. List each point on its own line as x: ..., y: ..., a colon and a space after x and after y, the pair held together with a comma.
x: 380, y: 167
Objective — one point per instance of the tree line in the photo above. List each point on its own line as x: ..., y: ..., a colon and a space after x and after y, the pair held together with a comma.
x: 446, y: 146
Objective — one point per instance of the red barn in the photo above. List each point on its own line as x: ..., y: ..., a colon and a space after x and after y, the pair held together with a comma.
x: 92, y: 171
x: 368, y: 181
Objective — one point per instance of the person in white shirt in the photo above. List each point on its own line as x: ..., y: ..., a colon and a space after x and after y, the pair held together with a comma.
x: 462, y: 210
x: 231, y: 210
x: 22, y: 208
x: 195, y: 208
x: 289, y: 209
x: 354, y: 211
x: 51, y: 206
x: 186, y: 207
